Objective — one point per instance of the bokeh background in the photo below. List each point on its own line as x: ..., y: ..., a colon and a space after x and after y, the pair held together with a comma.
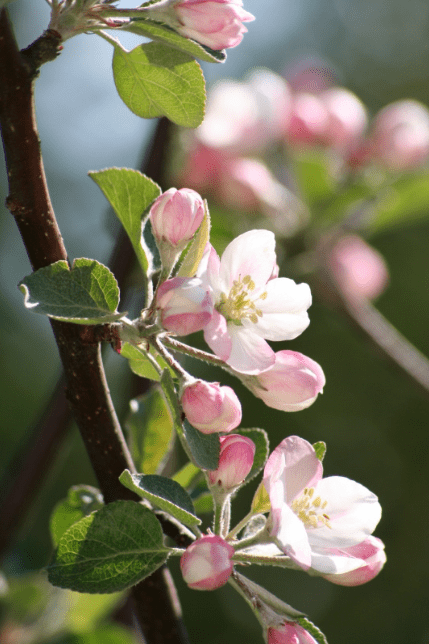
x: 374, y: 421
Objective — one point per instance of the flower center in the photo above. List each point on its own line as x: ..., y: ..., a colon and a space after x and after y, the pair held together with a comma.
x: 309, y: 509
x: 238, y: 304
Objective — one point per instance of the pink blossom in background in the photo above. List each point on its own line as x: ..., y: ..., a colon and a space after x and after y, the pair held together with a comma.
x: 185, y: 305
x: 289, y: 633
x: 309, y: 119
x: 235, y: 462
x: 250, y: 306
x: 359, y: 268
x: 218, y: 24
x: 312, y: 520
x: 372, y: 559
x: 291, y: 384
x: 400, y: 135
x: 347, y: 117
x: 211, y: 408
x: 246, y: 184
x: 203, y: 169
x: 312, y: 75
x: 206, y: 564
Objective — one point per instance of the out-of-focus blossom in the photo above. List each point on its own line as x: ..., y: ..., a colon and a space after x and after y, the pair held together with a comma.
x: 206, y: 564
x: 312, y: 75
x: 309, y: 119
x: 175, y: 217
x: 250, y: 306
x: 289, y: 633
x: 347, y: 118
x: 313, y: 519
x: 210, y: 407
x: 372, y: 558
x: 400, y: 135
x: 360, y: 269
x: 235, y: 462
x: 185, y: 305
x: 291, y: 384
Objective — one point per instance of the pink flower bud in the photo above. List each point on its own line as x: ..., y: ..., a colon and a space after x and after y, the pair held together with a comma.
x: 210, y: 407
x: 401, y: 135
x: 309, y: 119
x: 235, y: 461
x: 176, y: 216
x: 185, y: 305
x: 206, y: 564
x: 372, y: 556
x: 359, y: 268
x: 347, y: 117
x: 289, y: 633
x: 292, y: 384
x: 214, y: 23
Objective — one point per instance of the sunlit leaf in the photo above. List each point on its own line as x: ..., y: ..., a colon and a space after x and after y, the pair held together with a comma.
x: 80, y: 502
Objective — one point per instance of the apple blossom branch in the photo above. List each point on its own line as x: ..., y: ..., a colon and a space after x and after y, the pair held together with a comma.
x: 87, y: 389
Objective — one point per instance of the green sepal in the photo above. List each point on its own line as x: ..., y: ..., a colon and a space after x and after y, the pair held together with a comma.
x: 88, y: 293
x: 110, y: 550
x: 312, y: 629
x: 155, y: 80
x: 163, y: 492
x: 196, y: 249
x: 320, y: 449
x: 81, y: 500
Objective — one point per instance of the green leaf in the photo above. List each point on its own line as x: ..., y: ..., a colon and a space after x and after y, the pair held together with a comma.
x: 402, y: 203
x: 85, y: 612
x: 320, y: 449
x: 86, y: 294
x: 261, y: 500
x: 202, y: 449
x: 187, y: 475
x: 164, y: 34
x: 106, y: 634
x: 151, y: 431
x: 312, y: 629
x: 315, y: 180
x: 203, y: 504
x: 164, y: 493
x: 81, y: 500
x: 130, y: 193
x: 262, y: 444
x: 141, y: 365
x: 196, y: 249
x: 110, y: 550
x: 155, y: 80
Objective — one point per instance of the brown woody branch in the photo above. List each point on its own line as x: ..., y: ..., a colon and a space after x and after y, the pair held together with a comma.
x: 87, y: 390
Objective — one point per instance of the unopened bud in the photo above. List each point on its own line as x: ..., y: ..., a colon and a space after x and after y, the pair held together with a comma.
x: 235, y: 462
x: 289, y: 633
x: 210, y: 407
x: 206, y: 564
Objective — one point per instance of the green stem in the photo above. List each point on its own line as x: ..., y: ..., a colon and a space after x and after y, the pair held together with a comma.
x: 180, y: 347
x: 263, y: 560
x: 240, y: 526
x: 110, y: 39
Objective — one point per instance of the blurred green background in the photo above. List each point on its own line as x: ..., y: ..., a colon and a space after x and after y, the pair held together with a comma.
x: 373, y: 420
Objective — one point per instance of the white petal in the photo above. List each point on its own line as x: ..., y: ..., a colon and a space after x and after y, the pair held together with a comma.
x: 249, y: 352
x: 217, y: 337
x: 252, y: 253
x: 353, y: 513
x: 290, y: 536
x: 330, y: 564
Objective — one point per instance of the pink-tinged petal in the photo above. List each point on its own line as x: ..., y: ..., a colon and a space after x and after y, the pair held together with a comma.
x: 284, y: 310
x: 290, y: 535
x: 249, y: 352
x: 295, y: 462
x: 371, y: 557
x: 208, y: 270
x: 289, y: 633
x: 252, y: 253
x: 353, y: 513
x: 206, y: 564
x: 217, y: 337
x: 333, y: 562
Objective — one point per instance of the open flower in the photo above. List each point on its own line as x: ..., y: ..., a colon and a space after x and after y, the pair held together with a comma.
x: 250, y: 306
x: 313, y: 519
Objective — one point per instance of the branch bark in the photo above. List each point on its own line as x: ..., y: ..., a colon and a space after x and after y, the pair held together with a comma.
x: 87, y: 390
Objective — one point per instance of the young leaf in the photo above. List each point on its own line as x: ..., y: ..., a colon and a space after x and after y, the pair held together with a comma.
x: 320, y: 449
x: 314, y: 175
x: 260, y: 438
x: 312, y: 629
x: 187, y: 475
x: 164, y: 493
x: 203, y: 504
x: 261, y: 500
x: 130, y: 193
x: 151, y: 431
x: 196, y: 249
x: 164, y: 34
x: 80, y: 502
x: 404, y: 202
x: 155, y: 80
x: 110, y: 550
x: 104, y: 634
x: 86, y: 294
x: 202, y: 449
x: 141, y: 365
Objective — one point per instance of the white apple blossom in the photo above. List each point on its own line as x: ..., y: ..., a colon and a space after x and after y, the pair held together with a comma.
x: 316, y: 521
x: 250, y: 306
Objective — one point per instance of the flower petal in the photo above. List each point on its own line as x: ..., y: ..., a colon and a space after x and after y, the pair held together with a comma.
x: 249, y: 352
x: 252, y: 253
x: 217, y: 337
x: 353, y: 513
x: 290, y: 535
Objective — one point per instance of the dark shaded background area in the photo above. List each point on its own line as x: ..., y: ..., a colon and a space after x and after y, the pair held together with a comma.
x: 374, y: 421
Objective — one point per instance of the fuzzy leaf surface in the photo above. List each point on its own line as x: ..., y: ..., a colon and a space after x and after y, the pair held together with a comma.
x: 80, y: 502
x: 110, y: 550
x: 130, y: 193
x: 164, y: 34
x: 165, y: 493
x: 86, y: 294
x: 150, y: 430
x: 156, y: 80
